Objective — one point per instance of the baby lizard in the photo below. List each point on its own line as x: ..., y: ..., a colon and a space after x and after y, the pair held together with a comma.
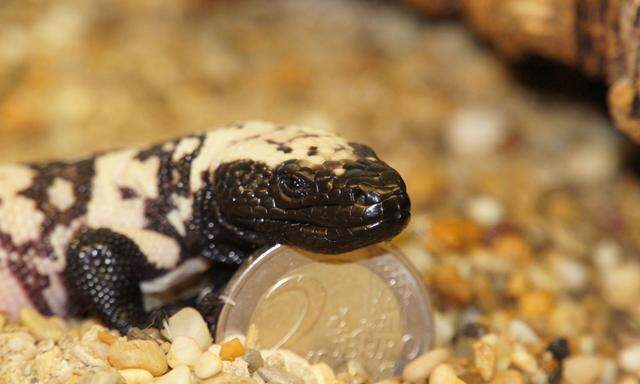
x: 90, y: 236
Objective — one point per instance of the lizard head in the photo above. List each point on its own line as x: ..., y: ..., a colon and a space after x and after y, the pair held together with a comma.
x: 317, y: 192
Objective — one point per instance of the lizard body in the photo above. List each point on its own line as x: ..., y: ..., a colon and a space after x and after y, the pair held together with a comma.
x: 85, y: 236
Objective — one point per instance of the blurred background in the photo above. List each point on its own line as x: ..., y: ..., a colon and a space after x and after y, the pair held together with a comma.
x: 525, y: 199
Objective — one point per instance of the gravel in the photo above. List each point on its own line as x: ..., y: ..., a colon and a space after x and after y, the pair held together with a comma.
x: 525, y: 211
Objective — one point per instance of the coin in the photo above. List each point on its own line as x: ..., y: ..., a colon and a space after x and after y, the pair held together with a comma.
x: 367, y: 306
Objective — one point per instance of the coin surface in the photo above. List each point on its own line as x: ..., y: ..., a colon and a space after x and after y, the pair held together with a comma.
x: 367, y: 306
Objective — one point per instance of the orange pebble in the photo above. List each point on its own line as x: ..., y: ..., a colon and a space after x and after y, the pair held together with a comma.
x: 454, y: 234
x: 107, y: 337
x: 453, y: 288
x: 231, y: 350
x: 536, y: 304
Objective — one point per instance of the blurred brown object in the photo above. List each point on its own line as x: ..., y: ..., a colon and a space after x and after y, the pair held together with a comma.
x: 436, y: 7
x: 601, y: 38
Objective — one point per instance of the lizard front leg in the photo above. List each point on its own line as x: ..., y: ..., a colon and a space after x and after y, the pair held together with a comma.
x: 104, y: 271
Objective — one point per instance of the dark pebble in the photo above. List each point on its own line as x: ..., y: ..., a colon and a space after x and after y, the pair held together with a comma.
x: 555, y: 376
x: 474, y: 330
x: 559, y: 348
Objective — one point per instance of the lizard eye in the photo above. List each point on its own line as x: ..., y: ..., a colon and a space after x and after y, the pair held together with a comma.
x: 294, y: 186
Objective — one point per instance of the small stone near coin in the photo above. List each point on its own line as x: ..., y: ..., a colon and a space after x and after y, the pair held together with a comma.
x: 207, y: 365
x: 188, y: 322
x: 420, y: 368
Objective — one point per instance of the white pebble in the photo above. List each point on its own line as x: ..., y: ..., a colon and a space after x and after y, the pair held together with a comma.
x: 136, y: 376
x: 525, y: 361
x: 592, y: 162
x: 101, y: 377
x: 444, y: 374
x: 208, y: 365
x: 607, y: 254
x: 476, y: 132
x: 419, y: 369
x: 179, y: 375
x: 582, y: 369
x: 609, y: 373
x: 629, y: 358
x: 189, y: 322
x: 215, y: 349
x: 444, y: 328
x: 19, y: 341
x: 86, y: 357
x: 184, y: 351
x: 485, y: 210
x: 522, y: 332
x: 573, y: 274
x: 622, y: 284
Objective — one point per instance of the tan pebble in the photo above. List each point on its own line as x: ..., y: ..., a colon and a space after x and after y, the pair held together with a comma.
x: 207, y: 365
x: 513, y: 247
x: 536, y: 304
x: 236, y: 367
x: 226, y: 378
x: 179, y: 375
x: 485, y: 360
x: 189, y: 322
x: 107, y: 337
x: 629, y: 359
x: 46, y: 362
x: 508, y: 377
x: 231, y: 350
x: 184, y: 351
x: 166, y: 346
x: 485, y: 210
x: 448, y: 283
x: 41, y: 327
x: 622, y: 284
x: 444, y: 374
x: 323, y: 373
x: 628, y: 379
x: 136, y: 376
x: 19, y: 341
x: 83, y: 354
x: 582, y: 369
x: 419, y: 369
x: 609, y: 372
x: 143, y: 354
x: 215, y: 349
x: 525, y: 361
x: 475, y: 131
x: 518, y: 284
x: 390, y: 380
x: 453, y: 234
x: 102, y: 377
x: 99, y: 349
x: 522, y: 332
